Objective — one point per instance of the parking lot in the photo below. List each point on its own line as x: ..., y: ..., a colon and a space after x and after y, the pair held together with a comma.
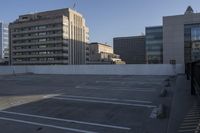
x: 81, y: 104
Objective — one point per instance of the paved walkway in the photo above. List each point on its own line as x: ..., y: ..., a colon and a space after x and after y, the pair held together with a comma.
x: 185, y: 111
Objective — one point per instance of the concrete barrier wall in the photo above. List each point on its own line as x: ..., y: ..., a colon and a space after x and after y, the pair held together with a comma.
x: 144, y: 69
x: 7, y: 70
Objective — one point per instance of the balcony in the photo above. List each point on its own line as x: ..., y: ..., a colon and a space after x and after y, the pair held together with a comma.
x: 40, y: 49
x: 41, y: 62
x: 37, y: 43
x: 40, y: 55
x: 37, y: 37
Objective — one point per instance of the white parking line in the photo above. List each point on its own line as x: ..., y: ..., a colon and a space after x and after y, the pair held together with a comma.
x: 190, y: 126
x: 129, y: 82
x: 189, y: 130
x: 67, y: 120
x: 46, y: 125
x: 117, y: 89
x: 105, y: 102
x: 110, y: 99
x: 192, y: 117
x: 190, y: 120
x: 190, y: 123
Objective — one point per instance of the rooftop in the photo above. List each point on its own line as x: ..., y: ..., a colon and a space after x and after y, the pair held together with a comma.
x: 130, y: 37
x: 96, y: 43
x: 88, y: 104
x: 61, y: 103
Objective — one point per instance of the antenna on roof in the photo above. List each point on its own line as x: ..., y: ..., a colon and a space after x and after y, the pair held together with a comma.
x: 74, y: 6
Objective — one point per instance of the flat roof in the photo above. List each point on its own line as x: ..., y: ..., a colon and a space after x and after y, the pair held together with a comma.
x: 129, y: 37
x: 80, y: 103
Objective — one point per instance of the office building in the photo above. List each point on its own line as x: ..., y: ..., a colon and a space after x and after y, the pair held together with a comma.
x: 130, y: 49
x: 181, y: 38
x: 103, y: 54
x: 154, y: 45
x: 4, y: 41
x: 49, y: 38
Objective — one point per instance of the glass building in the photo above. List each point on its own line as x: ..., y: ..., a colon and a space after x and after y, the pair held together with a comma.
x: 4, y: 42
x: 154, y: 45
x: 192, y: 42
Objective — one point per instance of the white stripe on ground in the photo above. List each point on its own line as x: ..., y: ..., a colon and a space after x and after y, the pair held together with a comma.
x: 109, y: 99
x: 190, y: 126
x: 46, y: 125
x: 128, y: 82
x: 188, y: 130
x: 119, y: 89
x: 189, y: 123
x: 190, y: 120
x: 192, y: 117
x: 105, y: 102
x: 67, y: 120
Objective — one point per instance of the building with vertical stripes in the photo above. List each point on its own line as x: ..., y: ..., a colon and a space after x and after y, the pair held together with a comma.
x: 49, y: 38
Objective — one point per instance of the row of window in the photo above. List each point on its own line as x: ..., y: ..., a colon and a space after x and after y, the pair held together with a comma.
x: 41, y: 27
x: 38, y: 46
x: 38, y: 40
x: 41, y: 53
x: 38, y: 34
x: 41, y: 59
x: 150, y: 30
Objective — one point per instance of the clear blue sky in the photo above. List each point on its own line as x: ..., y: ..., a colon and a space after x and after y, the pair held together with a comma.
x: 105, y: 18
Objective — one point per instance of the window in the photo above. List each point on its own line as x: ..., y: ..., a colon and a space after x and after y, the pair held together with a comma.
x: 33, y: 59
x: 173, y: 62
x: 42, y: 33
x: 42, y: 46
x: 43, y: 40
x: 42, y: 27
x: 195, y: 33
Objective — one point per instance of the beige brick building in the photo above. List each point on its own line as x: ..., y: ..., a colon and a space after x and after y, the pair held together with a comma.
x: 103, y: 54
x: 49, y: 38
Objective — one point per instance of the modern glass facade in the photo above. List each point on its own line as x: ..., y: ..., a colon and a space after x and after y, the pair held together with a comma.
x: 154, y: 45
x: 192, y: 42
x: 4, y: 42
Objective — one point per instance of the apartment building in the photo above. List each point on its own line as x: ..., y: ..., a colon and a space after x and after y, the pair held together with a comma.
x: 49, y: 38
x: 4, y: 41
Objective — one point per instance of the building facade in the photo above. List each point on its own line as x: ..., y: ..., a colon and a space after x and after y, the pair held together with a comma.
x: 49, y: 38
x: 130, y: 49
x: 181, y: 37
x: 103, y: 54
x: 192, y: 42
x: 154, y: 45
x: 4, y: 41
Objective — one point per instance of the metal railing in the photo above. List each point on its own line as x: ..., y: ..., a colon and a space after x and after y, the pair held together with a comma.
x: 193, y: 73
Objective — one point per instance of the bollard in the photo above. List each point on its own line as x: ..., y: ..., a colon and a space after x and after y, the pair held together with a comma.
x: 161, y: 112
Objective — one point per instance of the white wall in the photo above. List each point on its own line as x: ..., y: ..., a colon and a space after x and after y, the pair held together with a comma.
x: 5, y: 70
x: 147, y: 69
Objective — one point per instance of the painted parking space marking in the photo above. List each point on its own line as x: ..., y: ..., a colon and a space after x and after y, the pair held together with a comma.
x: 129, y: 82
x: 45, y: 125
x: 110, y: 99
x: 67, y: 120
x: 116, y: 88
x: 191, y: 123
x: 104, y: 102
